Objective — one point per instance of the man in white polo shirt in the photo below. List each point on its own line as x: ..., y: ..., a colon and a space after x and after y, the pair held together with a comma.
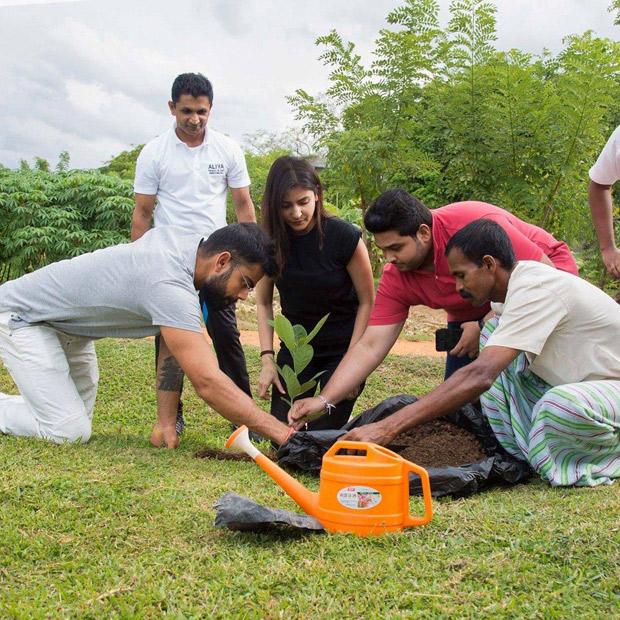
x: 183, y: 176
x: 604, y: 173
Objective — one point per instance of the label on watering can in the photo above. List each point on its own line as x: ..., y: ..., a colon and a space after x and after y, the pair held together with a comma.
x: 359, y: 498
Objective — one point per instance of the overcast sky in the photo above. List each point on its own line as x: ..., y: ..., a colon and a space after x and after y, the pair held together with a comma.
x: 92, y: 77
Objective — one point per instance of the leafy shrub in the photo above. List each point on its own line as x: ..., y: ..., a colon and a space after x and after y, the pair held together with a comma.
x: 50, y: 216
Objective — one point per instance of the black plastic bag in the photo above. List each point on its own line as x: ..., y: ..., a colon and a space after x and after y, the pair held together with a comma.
x: 240, y: 513
x: 305, y: 450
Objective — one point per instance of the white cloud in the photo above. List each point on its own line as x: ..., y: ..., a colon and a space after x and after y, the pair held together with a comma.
x: 90, y: 98
x: 94, y: 77
x: 27, y: 2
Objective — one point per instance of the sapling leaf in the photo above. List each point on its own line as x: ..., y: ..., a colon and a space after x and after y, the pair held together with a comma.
x: 308, y: 385
x: 302, y: 356
x: 300, y: 334
x: 285, y: 331
x: 316, y: 329
x: 296, y: 339
x: 290, y: 378
x: 318, y: 374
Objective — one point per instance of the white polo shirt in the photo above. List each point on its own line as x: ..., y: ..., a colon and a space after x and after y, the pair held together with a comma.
x: 606, y: 170
x: 191, y: 182
x: 568, y: 328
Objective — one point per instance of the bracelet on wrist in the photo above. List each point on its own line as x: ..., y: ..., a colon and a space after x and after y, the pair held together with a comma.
x: 328, y: 406
x: 267, y: 352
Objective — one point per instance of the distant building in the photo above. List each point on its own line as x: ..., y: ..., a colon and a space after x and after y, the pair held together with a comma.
x: 317, y: 162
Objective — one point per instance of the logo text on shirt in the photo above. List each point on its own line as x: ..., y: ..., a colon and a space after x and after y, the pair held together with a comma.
x: 216, y: 168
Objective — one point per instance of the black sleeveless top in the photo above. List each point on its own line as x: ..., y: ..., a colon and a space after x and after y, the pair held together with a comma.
x: 315, y: 281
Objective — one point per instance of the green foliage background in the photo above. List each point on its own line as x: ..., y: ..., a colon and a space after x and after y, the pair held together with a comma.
x: 439, y: 112
x: 446, y: 116
x: 49, y: 216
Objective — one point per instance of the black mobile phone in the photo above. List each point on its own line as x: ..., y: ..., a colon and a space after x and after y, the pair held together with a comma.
x: 447, y: 338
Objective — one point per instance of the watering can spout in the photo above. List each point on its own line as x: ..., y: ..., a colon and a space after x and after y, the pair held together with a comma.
x: 307, y: 500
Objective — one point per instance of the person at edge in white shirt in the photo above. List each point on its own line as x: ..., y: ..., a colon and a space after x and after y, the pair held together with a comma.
x: 182, y: 179
x: 603, y: 174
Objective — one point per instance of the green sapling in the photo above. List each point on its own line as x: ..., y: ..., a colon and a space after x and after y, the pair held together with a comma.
x: 297, y: 342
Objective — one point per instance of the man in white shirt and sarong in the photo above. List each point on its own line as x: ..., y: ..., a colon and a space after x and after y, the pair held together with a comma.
x: 548, y: 374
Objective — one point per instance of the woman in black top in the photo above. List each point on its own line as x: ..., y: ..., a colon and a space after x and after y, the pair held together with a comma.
x: 325, y: 269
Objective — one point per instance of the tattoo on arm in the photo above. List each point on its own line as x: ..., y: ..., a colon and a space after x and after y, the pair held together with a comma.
x: 171, y: 376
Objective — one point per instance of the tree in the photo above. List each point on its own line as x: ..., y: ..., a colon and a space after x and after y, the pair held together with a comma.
x: 63, y: 162
x: 615, y: 6
x: 583, y: 89
x: 42, y: 165
x: 448, y: 118
x: 368, y: 118
x: 460, y: 101
x: 123, y: 165
x: 258, y: 169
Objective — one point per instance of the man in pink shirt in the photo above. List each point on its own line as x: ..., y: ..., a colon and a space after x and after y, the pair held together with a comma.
x: 413, y: 239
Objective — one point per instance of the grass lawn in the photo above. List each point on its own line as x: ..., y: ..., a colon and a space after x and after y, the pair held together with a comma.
x: 116, y: 528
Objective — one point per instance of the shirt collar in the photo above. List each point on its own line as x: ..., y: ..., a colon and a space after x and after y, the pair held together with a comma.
x: 177, y: 141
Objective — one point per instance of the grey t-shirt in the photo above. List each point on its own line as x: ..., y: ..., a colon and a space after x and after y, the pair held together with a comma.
x: 124, y: 291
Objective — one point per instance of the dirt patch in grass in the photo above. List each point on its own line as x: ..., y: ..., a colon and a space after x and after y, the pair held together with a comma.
x: 230, y: 455
x: 438, y: 444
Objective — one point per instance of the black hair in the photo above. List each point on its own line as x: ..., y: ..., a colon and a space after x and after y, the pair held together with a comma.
x: 484, y: 238
x: 288, y: 173
x: 397, y: 209
x: 194, y: 84
x: 247, y: 243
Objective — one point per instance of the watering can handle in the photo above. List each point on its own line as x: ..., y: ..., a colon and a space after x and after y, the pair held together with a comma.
x: 426, y: 492
x: 349, y: 445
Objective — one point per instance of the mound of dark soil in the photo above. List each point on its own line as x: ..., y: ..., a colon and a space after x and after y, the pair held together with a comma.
x: 434, y: 444
x: 438, y: 444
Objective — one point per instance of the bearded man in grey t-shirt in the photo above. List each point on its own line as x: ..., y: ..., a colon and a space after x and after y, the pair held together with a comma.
x: 50, y: 318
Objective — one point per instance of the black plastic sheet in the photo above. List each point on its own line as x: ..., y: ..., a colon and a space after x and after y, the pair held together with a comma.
x: 240, y: 513
x: 304, y: 451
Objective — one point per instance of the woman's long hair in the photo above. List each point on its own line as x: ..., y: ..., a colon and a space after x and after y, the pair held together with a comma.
x: 288, y: 173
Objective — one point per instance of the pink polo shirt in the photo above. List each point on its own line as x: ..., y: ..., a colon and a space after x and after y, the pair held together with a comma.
x: 398, y: 291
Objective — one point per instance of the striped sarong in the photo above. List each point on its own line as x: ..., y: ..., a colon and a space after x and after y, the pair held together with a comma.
x: 569, y: 434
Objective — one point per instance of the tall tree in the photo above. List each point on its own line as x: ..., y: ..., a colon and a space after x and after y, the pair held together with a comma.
x: 367, y: 117
x: 460, y: 110
x: 63, y: 162
x: 123, y: 165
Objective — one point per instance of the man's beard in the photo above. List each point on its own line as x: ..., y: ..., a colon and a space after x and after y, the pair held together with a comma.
x: 213, y: 293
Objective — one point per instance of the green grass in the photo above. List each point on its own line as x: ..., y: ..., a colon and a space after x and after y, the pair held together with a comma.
x: 116, y: 528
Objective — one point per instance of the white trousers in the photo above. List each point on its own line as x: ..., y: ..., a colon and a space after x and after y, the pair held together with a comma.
x: 57, y: 376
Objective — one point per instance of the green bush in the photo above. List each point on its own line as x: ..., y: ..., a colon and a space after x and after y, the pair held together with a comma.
x: 49, y: 216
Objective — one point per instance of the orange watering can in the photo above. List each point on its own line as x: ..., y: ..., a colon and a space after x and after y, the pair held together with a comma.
x: 365, y: 494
